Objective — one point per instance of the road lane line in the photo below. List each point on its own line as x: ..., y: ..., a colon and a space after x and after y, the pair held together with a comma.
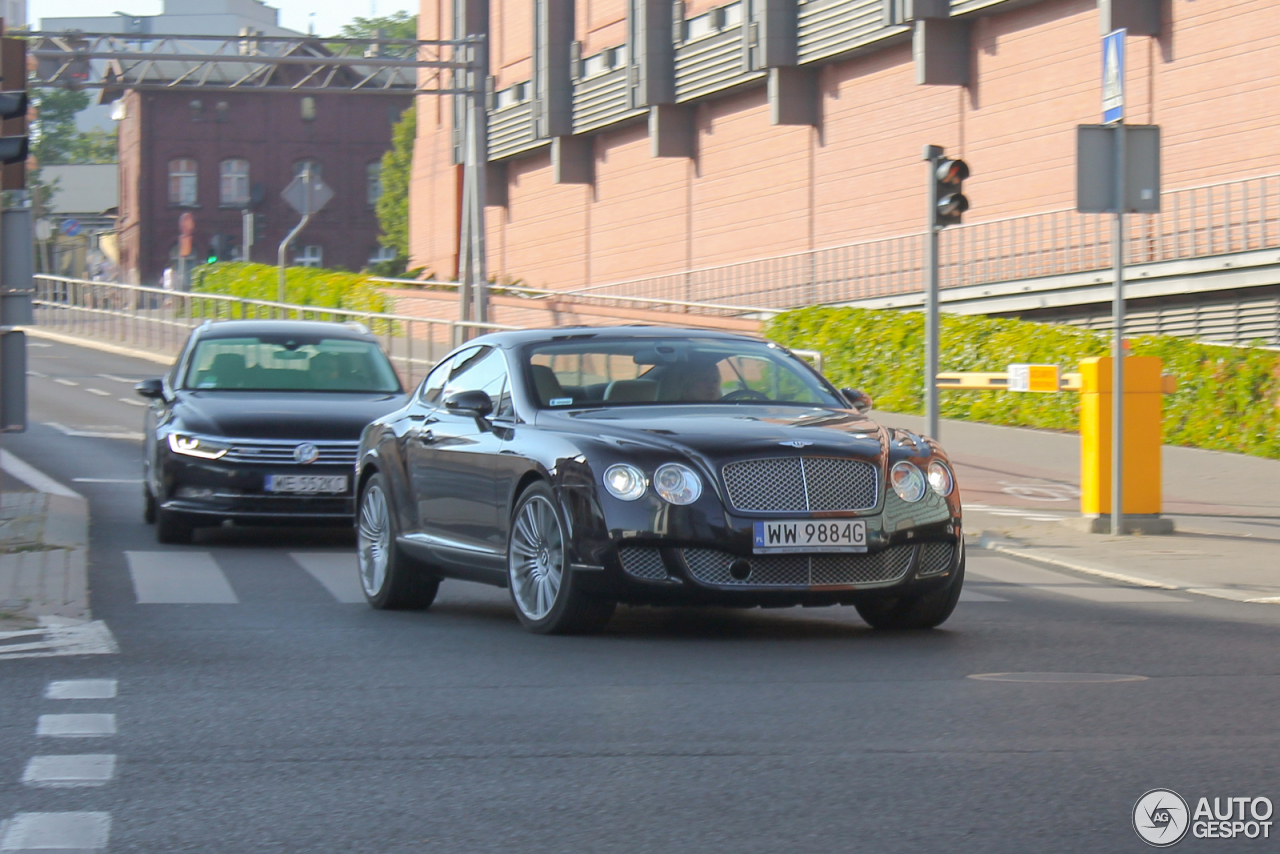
x: 179, y: 578
x: 1008, y: 572
x: 968, y: 595
x: 1111, y: 594
x: 61, y: 381
x: 336, y: 571
x: 99, y: 392
x: 76, y: 726
x: 131, y: 480
x: 57, y: 831
x: 37, y: 374
x: 33, y: 477
x: 115, y: 378
x: 130, y: 401
x: 109, y: 431
x: 70, y: 771
x: 81, y: 689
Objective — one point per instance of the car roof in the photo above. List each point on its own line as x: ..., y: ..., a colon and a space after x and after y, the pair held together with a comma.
x: 250, y: 328
x: 515, y: 338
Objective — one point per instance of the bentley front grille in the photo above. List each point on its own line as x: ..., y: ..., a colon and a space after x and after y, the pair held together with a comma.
x: 712, y: 566
x: 643, y: 562
x: 935, y: 558
x: 801, y: 484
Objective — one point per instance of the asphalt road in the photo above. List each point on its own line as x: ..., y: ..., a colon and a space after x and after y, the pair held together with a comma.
x: 289, y: 720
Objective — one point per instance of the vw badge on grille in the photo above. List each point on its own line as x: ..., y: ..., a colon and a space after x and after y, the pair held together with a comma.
x: 796, y: 443
x: 306, y: 453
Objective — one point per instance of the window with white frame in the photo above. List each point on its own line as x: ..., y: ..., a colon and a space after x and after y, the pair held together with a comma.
x: 381, y: 255
x: 309, y: 256
x: 182, y: 182
x: 235, y: 182
x: 373, y: 182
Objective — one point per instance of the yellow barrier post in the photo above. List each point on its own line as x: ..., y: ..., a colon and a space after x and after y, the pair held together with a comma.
x: 1143, y: 398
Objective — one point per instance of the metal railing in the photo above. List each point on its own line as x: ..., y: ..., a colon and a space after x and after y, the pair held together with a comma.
x: 1194, y: 222
x: 159, y: 321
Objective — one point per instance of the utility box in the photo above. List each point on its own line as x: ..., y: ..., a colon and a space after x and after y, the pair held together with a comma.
x: 1096, y: 168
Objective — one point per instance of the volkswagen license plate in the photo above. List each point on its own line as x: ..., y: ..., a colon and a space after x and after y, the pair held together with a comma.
x: 810, y: 535
x: 306, y: 483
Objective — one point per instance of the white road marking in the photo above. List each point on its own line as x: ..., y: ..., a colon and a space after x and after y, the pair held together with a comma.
x: 99, y: 392
x: 1099, y: 593
x: 107, y: 431
x: 115, y: 378
x: 36, y: 373
x: 38, y: 344
x: 81, y: 689
x: 70, y: 771
x: 57, y: 831
x: 33, y: 477
x: 1037, y: 518
x: 179, y: 578
x: 970, y: 595
x: 130, y: 401
x: 106, y: 480
x: 61, y: 381
x: 76, y: 726
x: 59, y: 636
x: 1008, y: 572
x: 336, y: 571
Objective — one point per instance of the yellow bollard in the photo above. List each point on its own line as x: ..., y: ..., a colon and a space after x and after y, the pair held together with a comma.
x: 1143, y: 393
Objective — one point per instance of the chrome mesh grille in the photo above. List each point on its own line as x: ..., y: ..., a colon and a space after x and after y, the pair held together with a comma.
x: 270, y: 452
x: 711, y: 566
x: 643, y: 562
x: 801, y: 484
x: 935, y: 558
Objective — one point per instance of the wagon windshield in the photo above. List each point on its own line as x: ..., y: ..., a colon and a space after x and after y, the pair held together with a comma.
x: 647, y: 371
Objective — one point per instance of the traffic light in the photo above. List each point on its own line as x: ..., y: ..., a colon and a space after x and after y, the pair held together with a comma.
x: 259, y: 227
x: 13, y: 112
x: 949, y: 203
x: 219, y: 248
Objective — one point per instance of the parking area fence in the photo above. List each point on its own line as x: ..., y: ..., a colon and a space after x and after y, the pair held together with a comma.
x: 159, y: 321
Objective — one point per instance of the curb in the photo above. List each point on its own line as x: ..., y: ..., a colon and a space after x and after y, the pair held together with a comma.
x: 97, y: 345
x: 52, y: 581
x: 1003, y: 546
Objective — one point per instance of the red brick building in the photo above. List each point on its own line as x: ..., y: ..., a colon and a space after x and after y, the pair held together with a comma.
x: 212, y: 154
x: 631, y: 138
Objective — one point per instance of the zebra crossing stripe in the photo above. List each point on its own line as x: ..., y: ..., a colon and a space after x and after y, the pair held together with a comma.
x: 179, y: 578
x: 335, y: 570
x: 56, y: 831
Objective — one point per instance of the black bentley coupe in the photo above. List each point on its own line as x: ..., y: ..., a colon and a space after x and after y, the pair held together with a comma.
x: 585, y: 467
x: 258, y: 422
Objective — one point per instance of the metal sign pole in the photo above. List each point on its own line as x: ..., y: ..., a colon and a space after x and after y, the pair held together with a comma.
x: 932, y: 154
x: 1117, y: 342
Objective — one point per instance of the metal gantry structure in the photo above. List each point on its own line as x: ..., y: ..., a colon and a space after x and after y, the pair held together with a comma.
x: 303, y: 65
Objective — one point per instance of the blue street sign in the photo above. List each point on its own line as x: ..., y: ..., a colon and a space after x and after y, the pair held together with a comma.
x: 70, y: 227
x: 1113, y: 77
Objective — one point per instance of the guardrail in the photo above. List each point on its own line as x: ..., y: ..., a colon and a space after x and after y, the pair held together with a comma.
x: 159, y: 320
x: 1194, y: 222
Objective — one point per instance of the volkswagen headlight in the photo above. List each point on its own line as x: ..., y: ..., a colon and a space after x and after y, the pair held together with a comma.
x: 940, y: 478
x: 677, y: 483
x: 907, y: 481
x: 197, y: 446
x: 625, y: 481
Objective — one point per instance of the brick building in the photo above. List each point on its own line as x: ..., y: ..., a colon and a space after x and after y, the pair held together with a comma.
x: 637, y: 138
x: 213, y: 154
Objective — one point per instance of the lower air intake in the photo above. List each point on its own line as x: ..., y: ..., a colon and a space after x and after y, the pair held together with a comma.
x: 711, y: 566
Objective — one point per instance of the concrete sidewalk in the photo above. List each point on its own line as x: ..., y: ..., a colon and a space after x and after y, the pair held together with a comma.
x: 44, y: 540
x: 1018, y: 485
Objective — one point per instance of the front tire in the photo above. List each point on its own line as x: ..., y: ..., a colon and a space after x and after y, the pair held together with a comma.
x: 148, y: 505
x: 923, y: 611
x: 391, y: 580
x: 544, y: 592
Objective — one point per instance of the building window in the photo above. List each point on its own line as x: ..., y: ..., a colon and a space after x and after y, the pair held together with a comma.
x: 381, y: 255
x: 301, y: 165
x: 373, y: 182
x: 235, y: 183
x: 182, y: 183
x: 309, y: 256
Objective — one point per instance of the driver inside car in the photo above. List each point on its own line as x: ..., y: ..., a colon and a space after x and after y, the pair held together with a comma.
x: 701, y: 382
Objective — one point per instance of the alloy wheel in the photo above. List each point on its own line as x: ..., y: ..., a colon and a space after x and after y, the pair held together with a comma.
x: 374, y: 540
x: 536, y: 558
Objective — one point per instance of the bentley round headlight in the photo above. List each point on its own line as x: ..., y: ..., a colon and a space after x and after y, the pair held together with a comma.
x: 625, y: 481
x: 907, y: 481
x: 940, y: 478
x: 677, y: 483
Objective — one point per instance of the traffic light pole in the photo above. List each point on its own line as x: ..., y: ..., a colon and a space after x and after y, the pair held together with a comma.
x: 932, y: 154
x: 1117, y: 342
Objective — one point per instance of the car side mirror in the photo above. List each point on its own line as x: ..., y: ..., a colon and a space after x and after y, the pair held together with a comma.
x: 152, y: 389
x: 858, y: 400
x: 474, y: 402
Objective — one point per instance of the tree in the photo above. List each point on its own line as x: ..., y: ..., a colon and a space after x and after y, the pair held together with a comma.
x: 400, y: 25
x: 397, y: 169
x: 54, y: 136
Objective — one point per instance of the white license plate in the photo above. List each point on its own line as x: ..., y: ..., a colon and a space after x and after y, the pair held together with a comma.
x: 810, y: 535
x: 307, y: 483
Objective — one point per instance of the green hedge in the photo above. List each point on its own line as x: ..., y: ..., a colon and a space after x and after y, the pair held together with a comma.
x: 303, y: 286
x: 1227, y: 397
